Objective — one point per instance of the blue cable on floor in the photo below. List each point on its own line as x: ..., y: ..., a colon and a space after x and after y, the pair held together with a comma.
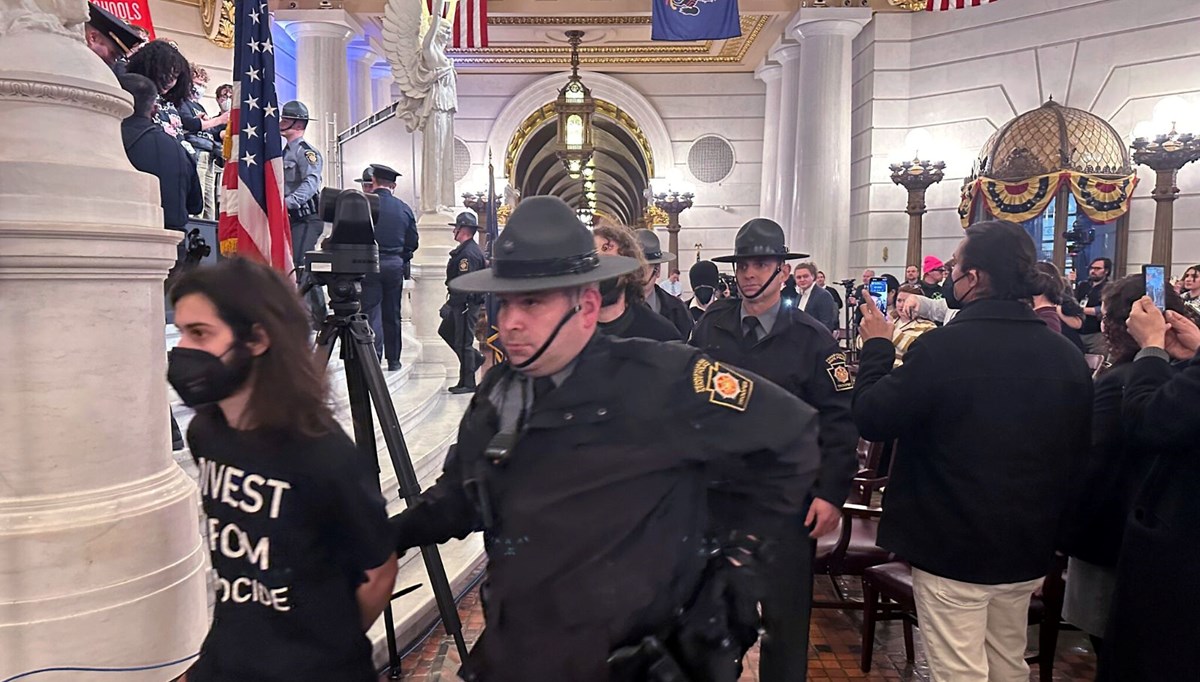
x: 82, y: 669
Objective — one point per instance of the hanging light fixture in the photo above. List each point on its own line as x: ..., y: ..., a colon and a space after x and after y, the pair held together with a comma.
x: 574, y: 108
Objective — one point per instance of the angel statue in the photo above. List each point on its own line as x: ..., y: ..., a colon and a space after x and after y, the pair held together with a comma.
x: 415, y: 40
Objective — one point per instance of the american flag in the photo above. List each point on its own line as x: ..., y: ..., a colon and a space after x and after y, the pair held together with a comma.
x: 943, y: 5
x: 470, y: 23
x: 254, y: 221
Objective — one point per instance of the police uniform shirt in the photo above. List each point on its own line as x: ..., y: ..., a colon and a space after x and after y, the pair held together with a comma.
x: 597, y: 508
x: 292, y: 523
x: 302, y: 166
x: 396, y: 230
x: 766, y: 321
x: 466, y: 257
x: 799, y: 354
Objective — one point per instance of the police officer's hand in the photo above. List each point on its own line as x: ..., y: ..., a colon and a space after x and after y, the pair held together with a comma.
x: 822, y: 517
x: 874, y: 325
x: 1146, y: 324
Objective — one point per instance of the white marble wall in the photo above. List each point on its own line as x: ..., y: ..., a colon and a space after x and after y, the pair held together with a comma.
x: 960, y: 75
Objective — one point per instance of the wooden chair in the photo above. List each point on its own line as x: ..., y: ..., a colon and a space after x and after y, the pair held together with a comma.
x: 888, y: 595
x: 852, y: 549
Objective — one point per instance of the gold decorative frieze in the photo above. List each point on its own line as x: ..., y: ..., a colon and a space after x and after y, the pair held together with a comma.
x: 629, y: 20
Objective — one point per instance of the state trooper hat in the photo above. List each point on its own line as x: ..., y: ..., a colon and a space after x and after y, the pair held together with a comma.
x: 543, y: 247
x: 367, y: 176
x: 704, y: 274
x: 296, y: 111
x: 465, y: 219
x: 114, y: 27
x: 382, y: 172
x: 652, y: 247
x: 759, y: 238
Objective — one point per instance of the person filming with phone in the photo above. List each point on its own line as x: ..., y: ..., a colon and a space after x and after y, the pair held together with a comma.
x: 980, y: 480
x: 1153, y: 616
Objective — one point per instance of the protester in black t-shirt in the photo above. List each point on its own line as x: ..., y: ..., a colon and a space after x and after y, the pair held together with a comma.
x: 296, y: 525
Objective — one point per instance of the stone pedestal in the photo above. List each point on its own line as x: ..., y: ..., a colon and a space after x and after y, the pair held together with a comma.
x: 322, y: 75
x: 101, y: 561
x: 770, y: 75
x: 788, y: 55
x: 429, y: 292
x: 821, y: 202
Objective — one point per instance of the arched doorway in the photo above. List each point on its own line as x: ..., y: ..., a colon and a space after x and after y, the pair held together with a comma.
x: 623, y: 162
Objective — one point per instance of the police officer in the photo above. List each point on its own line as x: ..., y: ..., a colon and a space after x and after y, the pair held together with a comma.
x: 790, y: 348
x: 704, y: 278
x: 301, y: 180
x: 396, y: 234
x: 659, y: 299
x: 458, y: 326
x: 110, y: 38
x: 584, y: 458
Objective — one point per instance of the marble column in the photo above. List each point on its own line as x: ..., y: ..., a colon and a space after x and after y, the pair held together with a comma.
x: 821, y: 196
x: 101, y: 560
x: 381, y: 85
x: 322, y: 76
x: 770, y: 74
x: 788, y: 56
x: 362, y: 96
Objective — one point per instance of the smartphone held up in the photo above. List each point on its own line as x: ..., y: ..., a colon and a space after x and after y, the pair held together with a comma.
x: 1156, y: 283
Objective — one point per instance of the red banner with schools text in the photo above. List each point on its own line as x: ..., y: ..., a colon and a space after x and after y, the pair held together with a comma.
x: 132, y: 12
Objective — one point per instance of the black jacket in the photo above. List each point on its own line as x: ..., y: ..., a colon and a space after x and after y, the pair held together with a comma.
x: 152, y: 151
x: 675, y: 311
x: 992, y: 414
x: 599, y: 505
x: 396, y: 229
x: 801, y: 356
x: 466, y: 257
x: 1153, y: 618
x: 1113, y: 473
x: 640, y: 322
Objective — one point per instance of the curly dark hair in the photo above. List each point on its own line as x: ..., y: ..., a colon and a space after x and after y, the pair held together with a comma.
x: 159, y: 61
x: 627, y: 245
x: 289, y: 388
x: 1119, y: 297
x: 1005, y: 252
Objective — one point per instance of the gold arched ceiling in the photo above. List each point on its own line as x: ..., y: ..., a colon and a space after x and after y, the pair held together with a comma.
x: 546, y: 113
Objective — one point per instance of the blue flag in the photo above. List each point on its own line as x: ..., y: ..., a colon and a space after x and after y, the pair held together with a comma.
x: 695, y: 20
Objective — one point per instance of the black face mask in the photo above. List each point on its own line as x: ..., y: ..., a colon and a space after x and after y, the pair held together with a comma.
x: 704, y: 295
x: 952, y: 301
x: 201, y: 378
x: 610, y: 291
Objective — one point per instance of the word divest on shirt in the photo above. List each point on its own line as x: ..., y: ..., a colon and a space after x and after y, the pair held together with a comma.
x: 249, y: 493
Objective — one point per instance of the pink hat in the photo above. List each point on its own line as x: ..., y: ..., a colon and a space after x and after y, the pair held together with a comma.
x: 932, y: 263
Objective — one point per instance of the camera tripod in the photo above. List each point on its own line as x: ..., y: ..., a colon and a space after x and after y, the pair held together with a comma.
x: 851, y: 351
x: 348, y: 327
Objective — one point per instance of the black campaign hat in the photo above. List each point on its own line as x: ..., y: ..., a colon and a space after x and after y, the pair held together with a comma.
x: 465, y: 219
x: 296, y: 111
x: 543, y: 247
x: 652, y: 247
x: 704, y: 274
x: 382, y: 172
x: 759, y: 238
x: 112, y: 26
x: 367, y: 176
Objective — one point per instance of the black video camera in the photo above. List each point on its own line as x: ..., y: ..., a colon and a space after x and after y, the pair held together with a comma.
x: 728, y: 286
x: 350, y: 251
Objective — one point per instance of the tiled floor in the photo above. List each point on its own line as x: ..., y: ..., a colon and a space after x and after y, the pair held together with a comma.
x: 835, y: 641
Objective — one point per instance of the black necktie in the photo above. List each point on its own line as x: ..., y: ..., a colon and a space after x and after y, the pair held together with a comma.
x: 541, y: 386
x: 750, y: 327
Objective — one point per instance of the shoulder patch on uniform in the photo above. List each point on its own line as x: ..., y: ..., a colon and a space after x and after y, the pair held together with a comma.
x: 311, y: 156
x: 725, y: 387
x: 839, y: 373
x: 463, y: 265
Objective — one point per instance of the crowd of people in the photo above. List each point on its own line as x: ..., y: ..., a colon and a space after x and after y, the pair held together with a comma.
x: 651, y: 473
